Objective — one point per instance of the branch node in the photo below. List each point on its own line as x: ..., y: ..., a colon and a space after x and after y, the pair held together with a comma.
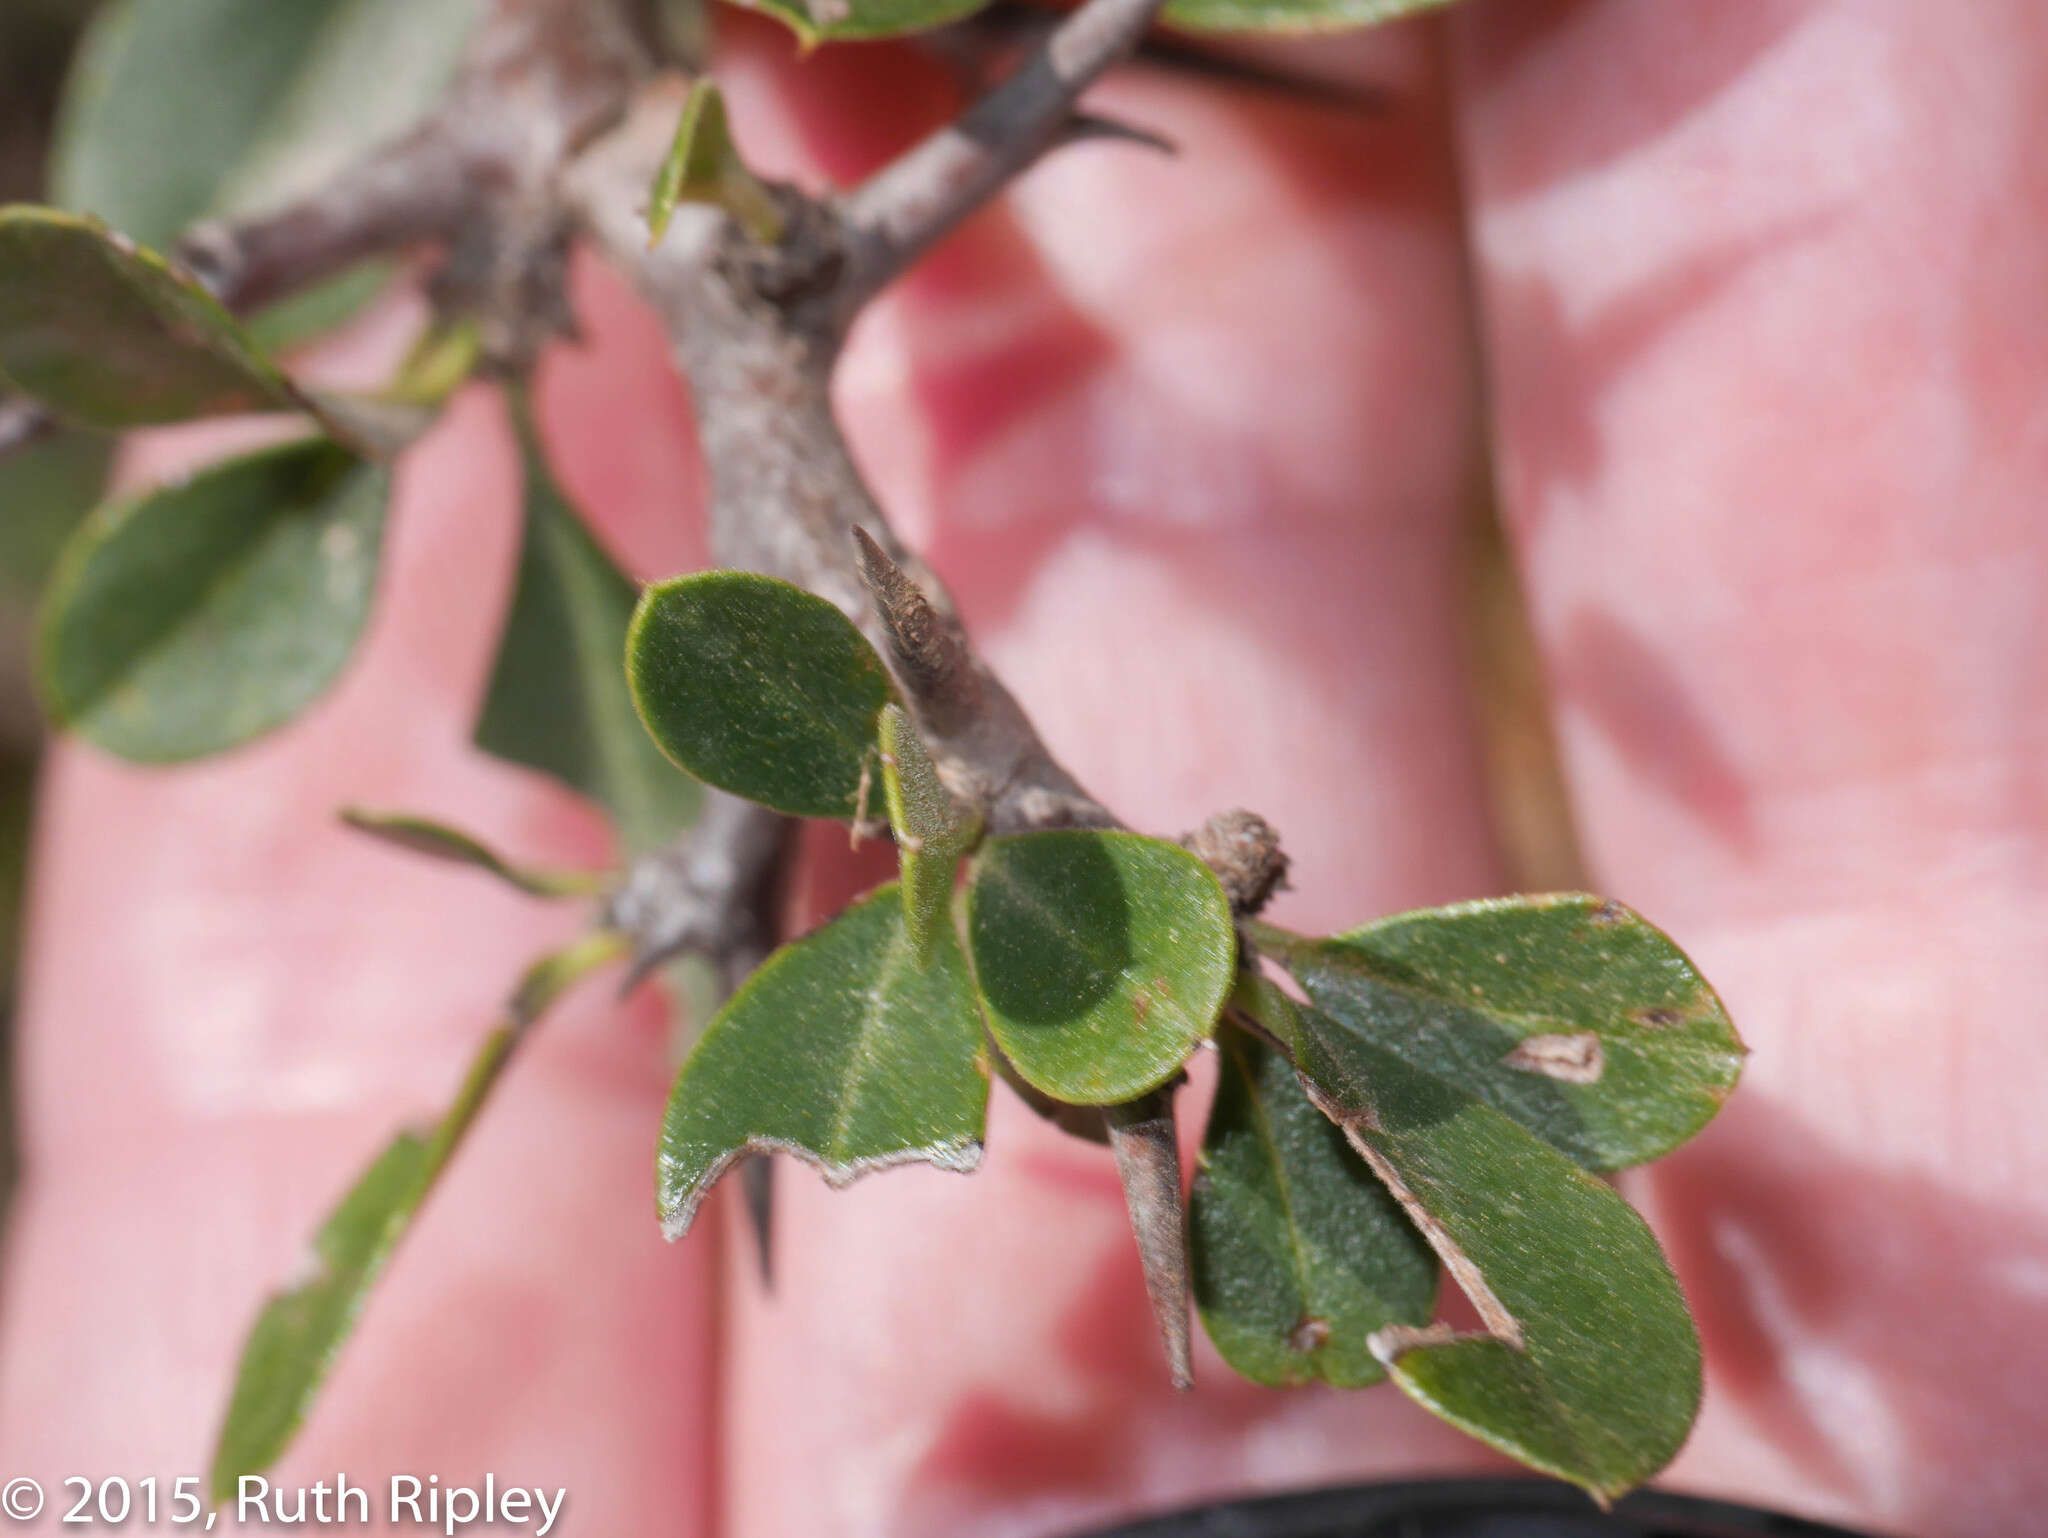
x: 1244, y: 851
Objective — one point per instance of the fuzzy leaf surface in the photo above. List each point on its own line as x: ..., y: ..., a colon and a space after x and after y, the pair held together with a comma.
x: 759, y: 688
x: 1299, y: 1252
x: 558, y: 700
x: 110, y: 335
x: 932, y: 829
x: 301, y: 1330
x: 845, y: 1049
x: 1590, y: 1369
x: 1102, y: 958
x: 1639, y: 1052
x: 193, y: 618
x: 440, y: 841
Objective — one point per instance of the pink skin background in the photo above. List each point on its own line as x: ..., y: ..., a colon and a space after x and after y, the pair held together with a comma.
x: 1758, y: 289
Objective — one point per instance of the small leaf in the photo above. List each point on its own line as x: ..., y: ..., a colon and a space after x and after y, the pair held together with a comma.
x: 1590, y: 1369
x: 300, y: 1331
x: 818, y: 21
x: 704, y: 166
x: 759, y: 688
x: 1572, y: 1015
x: 844, y: 1049
x: 558, y: 700
x: 111, y: 335
x: 1300, y: 1254
x: 439, y: 841
x: 1102, y: 958
x: 1292, y: 15
x: 199, y: 616
x: 932, y: 829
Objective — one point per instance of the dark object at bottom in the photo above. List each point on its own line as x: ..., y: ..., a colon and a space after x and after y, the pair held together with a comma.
x: 1469, y: 1508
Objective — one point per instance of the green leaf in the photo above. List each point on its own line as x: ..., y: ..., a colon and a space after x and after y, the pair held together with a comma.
x: 439, y: 841
x: 819, y: 21
x: 1299, y: 1253
x: 1572, y: 1015
x: 558, y: 700
x: 198, y: 616
x: 176, y: 109
x: 844, y: 1049
x: 300, y: 1331
x: 312, y: 312
x: 111, y: 335
x: 932, y: 829
x: 759, y: 688
x: 46, y: 490
x: 1591, y: 1368
x: 1102, y: 958
x: 1292, y: 15
x: 704, y: 166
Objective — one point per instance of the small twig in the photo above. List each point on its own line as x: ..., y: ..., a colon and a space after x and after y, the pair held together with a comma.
x: 910, y: 204
x: 1142, y: 1136
x: 701, y: 894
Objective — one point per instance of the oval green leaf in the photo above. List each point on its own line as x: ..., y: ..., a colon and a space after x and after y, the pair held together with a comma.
x: 932, y: 829
x: 1590, y: 1367
x: 557, y: 700
x: 1574, y: 1016
x: 110, y: 335
x: 1102, y: 958
x: 196, y: 617
x: 844, y: 1049
x: 1300, y: 1255
x: 300, y: 1331
x: 759, y: 688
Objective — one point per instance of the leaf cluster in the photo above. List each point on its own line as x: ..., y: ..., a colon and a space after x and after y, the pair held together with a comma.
x: 1436, y: 1093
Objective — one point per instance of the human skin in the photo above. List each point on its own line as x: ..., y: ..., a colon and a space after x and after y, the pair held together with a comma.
x: 1757, y: 288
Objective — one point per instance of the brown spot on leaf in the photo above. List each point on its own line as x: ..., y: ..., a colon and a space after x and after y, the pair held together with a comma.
x: 1609, y: 912
x: 1309, y: 1334
x: 1571, y: 1057
x: 1658, y: 1019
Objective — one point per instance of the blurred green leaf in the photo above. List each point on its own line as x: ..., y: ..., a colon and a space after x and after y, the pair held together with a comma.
x: 1572, y: 1015
x: 301, y: 1329
x: 558, y: 700
x: 704, y: 166
x: 45, y: 492
x: 439, y: 841
x: 932, y: 829
x: 1102, y: 958
x: 818, y: 21
x: 195, y: 617
x: 110, y: 335
x: 181, y: 109
x: 1292, y: 15
x: 1299, y: 1252
x: 844, y: 1049
x: 177, y: 109
x: 759, y: 688
x: 1590, y: 1369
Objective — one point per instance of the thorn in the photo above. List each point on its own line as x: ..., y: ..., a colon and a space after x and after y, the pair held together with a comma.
x: 1085, y: 126
x: 930, y: 659
x: 1141, y: 1135
x: 757, y: 1184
